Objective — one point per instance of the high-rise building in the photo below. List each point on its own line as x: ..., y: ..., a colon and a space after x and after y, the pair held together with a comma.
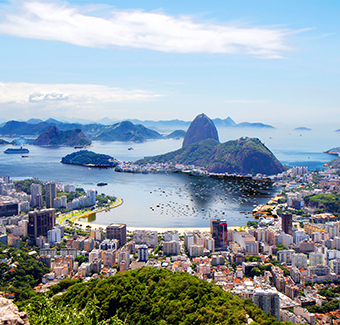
x: 219, y: 232
x: 287, y: 223
x: 50, y: 193
x: 36, y: 196
x: 316, y: 259
x: 117, y: 231
x: 299, y: 260
x: 143, y: 253
x: 40, y: 222
x: 268, y: 301
x: 171, y: 247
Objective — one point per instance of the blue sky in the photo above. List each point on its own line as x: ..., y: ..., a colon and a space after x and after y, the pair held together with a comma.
x: 258, y: 61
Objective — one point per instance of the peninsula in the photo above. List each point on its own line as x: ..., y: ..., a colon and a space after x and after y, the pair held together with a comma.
x: 201, y: 148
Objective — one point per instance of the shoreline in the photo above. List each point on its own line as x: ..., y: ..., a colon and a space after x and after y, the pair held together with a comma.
x: 181, y: 230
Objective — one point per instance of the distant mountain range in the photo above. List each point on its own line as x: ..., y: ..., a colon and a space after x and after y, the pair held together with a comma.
x: 160, y: 126
x: 132, y: 130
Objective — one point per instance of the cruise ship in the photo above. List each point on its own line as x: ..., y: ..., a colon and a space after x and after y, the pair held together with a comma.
x: 20, y: 150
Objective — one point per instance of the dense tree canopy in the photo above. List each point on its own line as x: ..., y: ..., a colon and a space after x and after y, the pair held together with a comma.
x: 149, y: 296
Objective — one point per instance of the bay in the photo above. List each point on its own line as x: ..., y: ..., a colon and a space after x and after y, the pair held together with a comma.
x: 173, y: 200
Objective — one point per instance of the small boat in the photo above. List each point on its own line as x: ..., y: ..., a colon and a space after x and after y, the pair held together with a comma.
x: 101, y: 184
x: 24, y: 156
x: 130, y: 148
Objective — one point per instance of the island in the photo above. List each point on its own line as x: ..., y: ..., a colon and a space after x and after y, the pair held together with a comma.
x: 302, y: 128
x: 90, y: 159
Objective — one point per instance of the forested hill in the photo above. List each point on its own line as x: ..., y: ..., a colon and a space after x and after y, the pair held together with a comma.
x: 145, y: 296
x: 242, y: 156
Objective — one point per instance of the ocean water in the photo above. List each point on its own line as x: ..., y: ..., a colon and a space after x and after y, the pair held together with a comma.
x: 174, y: 200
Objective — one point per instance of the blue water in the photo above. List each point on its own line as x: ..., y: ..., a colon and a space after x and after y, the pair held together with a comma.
x: 173, y: 200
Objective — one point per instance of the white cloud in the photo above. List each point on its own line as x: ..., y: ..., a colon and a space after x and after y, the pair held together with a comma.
x: 157, y: 31
x: 68, y: 94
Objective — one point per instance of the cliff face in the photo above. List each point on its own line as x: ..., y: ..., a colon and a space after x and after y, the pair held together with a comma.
x: 201, y: 128
x: 54, y: 137
x: 9, y: 313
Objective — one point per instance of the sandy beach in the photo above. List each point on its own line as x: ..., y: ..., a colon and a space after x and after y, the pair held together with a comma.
x: 181, y: 230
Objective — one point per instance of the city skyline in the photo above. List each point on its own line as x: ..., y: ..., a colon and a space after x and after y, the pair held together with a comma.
x: 260, y: 61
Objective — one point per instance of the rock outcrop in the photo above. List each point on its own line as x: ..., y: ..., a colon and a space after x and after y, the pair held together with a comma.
x: 10, y: 315
x: 201, y: 128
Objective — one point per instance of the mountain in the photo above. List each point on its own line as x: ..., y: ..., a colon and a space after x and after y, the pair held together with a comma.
x: 335, y: 163
x: 254, y: 125
x: 3, y: 142
x: 123, y: 131
x: 147, y: 296
x: 334, y: 151
x: 201, y: 128
x: 242, y: 156
x: 54, y: 137
x: 126, y: 131
x: 178, y: 134
x: 34, y: 121
x: 228, y: 122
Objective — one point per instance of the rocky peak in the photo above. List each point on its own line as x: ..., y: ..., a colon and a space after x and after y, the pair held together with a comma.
x: 9, y: 313
x: 201, y: 128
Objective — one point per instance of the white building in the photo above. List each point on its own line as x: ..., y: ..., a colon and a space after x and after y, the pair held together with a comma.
x: 146, y: 237
x: 171, y: 247
x: 171, y: 235
x: 143, y: 253
x: 299, y: 260
x: 54, y: 236
x: 316, y: 259
x: 69, y: 188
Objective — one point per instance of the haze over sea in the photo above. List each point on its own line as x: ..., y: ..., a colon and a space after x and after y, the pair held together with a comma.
x: 174, y: 200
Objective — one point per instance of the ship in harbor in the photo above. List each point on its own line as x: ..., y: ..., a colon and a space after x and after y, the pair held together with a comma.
x: 20, y: 150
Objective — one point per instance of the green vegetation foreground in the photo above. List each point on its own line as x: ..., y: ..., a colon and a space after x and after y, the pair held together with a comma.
x: 144, y: 296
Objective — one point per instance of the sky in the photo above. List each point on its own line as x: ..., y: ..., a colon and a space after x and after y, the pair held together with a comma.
x: 253, y: 60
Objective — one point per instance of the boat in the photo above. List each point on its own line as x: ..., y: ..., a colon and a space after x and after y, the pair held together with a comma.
x: 101, y: 184
x: 24, y: 156
x: 130, y: 148
x: 16, y: 150
x: 78, y: 147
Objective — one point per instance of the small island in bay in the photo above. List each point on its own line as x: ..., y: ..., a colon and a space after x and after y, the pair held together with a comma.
x: 89, y: 159
x: 302, y: 128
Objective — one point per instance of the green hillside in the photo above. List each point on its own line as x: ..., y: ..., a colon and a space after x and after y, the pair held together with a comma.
x: 85, y: 157
x: 244, y: 156
x: 145, y: 296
